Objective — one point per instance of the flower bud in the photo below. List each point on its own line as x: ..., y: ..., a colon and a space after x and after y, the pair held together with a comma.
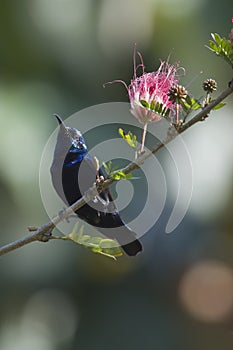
x: 209, y: 85
x: 177, y: 93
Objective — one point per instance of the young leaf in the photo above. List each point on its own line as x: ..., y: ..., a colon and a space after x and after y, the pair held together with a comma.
x: 120, y: 175
x: 106, y: 247
x: 189, y: 101
x: 109, y: 247
x: 108, y: 167
x: 144, y: 103
x: 221, y: 47
x: 130, y: 138
x: 217, y: 38
x: 152, y: 105
x: 220, y: 105
x: 122, y: 133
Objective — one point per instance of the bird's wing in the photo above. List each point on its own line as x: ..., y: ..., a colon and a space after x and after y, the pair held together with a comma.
x: 88, y: 175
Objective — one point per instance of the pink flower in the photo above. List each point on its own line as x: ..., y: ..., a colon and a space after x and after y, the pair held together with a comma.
x: 148, y: 93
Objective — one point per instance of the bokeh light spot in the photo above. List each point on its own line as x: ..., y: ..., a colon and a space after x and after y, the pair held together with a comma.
x: 206, y: 291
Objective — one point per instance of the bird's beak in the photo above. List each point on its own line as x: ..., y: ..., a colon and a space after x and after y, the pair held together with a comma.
x: 60, y: 122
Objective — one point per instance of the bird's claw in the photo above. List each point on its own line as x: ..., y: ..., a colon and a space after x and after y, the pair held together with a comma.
x: 99, y: 183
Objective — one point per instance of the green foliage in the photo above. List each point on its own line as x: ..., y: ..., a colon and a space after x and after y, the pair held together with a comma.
x: 120, y: 175
x: 99, y: 245
x: 156, y: 107
x: 221, y: 47
x: 190, y: 104
x: 220, y: 105
x: 145, y: 104
x: 114, y: 173
x: 130, y: 138
x: 108, y: 167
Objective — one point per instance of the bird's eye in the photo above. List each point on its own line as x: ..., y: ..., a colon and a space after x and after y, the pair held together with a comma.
x: 77, y: 144
x: 74, y: 144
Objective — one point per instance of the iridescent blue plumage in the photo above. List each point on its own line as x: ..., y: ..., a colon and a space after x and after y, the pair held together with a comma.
x: 73, y: 172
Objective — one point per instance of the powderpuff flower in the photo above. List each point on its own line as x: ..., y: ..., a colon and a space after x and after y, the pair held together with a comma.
x: 149, y: 92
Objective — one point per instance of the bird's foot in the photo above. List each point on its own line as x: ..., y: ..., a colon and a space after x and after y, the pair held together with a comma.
x: 99, y: 183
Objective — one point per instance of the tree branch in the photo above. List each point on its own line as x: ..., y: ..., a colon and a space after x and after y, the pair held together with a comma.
x: 205, y: 111
x: 44, y: 233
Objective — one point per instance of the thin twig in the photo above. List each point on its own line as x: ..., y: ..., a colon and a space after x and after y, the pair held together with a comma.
x: 44, y: 233
x: 203, y: 113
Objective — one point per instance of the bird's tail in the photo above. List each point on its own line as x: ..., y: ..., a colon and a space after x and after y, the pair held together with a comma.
x: 132, y: 248
x: 125, y: 237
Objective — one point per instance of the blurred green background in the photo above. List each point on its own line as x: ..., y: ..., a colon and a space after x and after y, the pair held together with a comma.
x: 55, y: 56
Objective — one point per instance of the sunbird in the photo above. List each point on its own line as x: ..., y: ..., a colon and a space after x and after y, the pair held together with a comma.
x: 74, y: 170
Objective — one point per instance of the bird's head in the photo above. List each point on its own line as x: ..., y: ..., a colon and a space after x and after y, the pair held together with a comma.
x: 69, y: 140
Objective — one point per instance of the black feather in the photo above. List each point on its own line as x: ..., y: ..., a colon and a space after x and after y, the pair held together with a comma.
x: 73, y: 172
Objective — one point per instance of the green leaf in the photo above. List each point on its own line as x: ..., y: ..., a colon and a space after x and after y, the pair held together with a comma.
x: 129, y: 176
x: 144, y: 103
x: 217, y: 38
x: 106, y: 247
x: 221, y: 47
x: 213, y: 46
x: 166, y: 114
x: 109, y: 247
x: 191, y: 104
x: 189, y: 101
x: 77, y: 232
x: 130, y: 138
x: 121, y: 132
x: 157, y: 107
x: 83, y: 240
x: 220, y: 105
x: 105, y: 167
x: 108, y: 167
x: 152, y: 105
x: 160, y: 108
x: 120, y: 175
